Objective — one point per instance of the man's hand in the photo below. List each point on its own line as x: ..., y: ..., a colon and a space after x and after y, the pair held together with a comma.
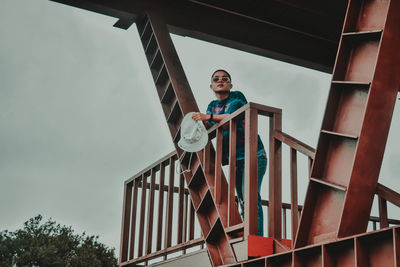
x: 197, y: 116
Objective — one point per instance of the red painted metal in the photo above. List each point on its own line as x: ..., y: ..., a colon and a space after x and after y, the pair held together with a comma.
x: 383, y: 213
x: 275, y: 178
x: 218, y: 168
x: 125, y: 222
x: 250, y: 191
x: 233, y: 219
x: 279, y: 246
x: 133, y: 219
x: 142, y: 215
x: 350, y: 149
x: 180, y: 210
x: 177, y: 99
x: 170, y: 204
x: 342, y: 136
x: 260, y: 246
x: 293, y: 193
x: 150, y: 213
x: 160, y: 206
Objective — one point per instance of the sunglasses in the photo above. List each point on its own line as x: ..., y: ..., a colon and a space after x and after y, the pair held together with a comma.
x: 223, y: 78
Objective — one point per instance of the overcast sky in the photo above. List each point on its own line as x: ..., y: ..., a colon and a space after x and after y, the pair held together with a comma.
x: 79, y: 113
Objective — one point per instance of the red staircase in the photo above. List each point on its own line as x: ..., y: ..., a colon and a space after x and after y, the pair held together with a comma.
x: 177, y: 100
x: 348, y: 158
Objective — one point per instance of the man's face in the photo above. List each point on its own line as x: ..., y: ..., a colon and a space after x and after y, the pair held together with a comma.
x: 220, y: 82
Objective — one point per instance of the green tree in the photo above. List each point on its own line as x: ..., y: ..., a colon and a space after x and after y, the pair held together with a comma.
x: 50, y: 244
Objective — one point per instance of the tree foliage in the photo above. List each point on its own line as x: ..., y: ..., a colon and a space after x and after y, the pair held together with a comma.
x: 50, y: 244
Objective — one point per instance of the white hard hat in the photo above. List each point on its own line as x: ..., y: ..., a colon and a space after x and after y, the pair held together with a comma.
x: 194, y: 136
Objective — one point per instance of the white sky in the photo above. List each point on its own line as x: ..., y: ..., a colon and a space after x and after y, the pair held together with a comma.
x: 79, y: 112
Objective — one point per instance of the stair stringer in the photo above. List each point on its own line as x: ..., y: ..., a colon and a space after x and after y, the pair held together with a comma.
x: 356, y: 123
x: 177, y: 100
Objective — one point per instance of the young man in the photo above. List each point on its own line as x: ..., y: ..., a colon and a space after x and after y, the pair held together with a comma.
x: 227, y: 102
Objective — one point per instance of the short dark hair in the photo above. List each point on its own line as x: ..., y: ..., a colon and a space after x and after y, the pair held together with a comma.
x: 227, y: 73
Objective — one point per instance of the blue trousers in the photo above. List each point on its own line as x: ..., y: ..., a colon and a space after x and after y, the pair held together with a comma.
x: 261, y: 168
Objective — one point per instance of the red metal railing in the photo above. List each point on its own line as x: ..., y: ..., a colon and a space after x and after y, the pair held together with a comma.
x: 383, y: 193
x: 145, y: 236
x: 249, y: 115
x: 142, y: 238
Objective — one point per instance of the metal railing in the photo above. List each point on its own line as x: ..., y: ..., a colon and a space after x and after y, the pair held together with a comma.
x: 248, y: 116
x: 174, y: 229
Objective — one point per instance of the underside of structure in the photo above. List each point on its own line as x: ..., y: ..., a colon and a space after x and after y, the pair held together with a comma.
x: 357, y: 41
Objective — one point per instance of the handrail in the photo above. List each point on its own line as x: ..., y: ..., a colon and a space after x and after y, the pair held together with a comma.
x: 388, y: 194
x: 156, y: 165
x: 249, y: 114
x: 137, y: 225
x: 384, y: 193
x: 166, y: 251
x: 295, y: 144
x: 262, y: 110
x: 139, y: 231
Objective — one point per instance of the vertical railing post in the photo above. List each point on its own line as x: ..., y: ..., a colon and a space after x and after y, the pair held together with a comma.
x: 310, y: 162
x: 383, y: 214
x: 250, y: 187
x: 275, y: 178
x: 142, y: 215
x: 160, y: 205
x: 150, y: 213
x: 232, y: 220
x: 185, y: 220
x: 170, y: 205
x: 133, y: 220
x: 218, y: 167
x: 191, y: 220
x: 126, y: 213
x: 293, y: 193
x: 284, y: 222
x: 206, y: 159
x: 180, y: 208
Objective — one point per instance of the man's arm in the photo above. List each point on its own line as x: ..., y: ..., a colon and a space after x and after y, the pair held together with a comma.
x: 197, y: 116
